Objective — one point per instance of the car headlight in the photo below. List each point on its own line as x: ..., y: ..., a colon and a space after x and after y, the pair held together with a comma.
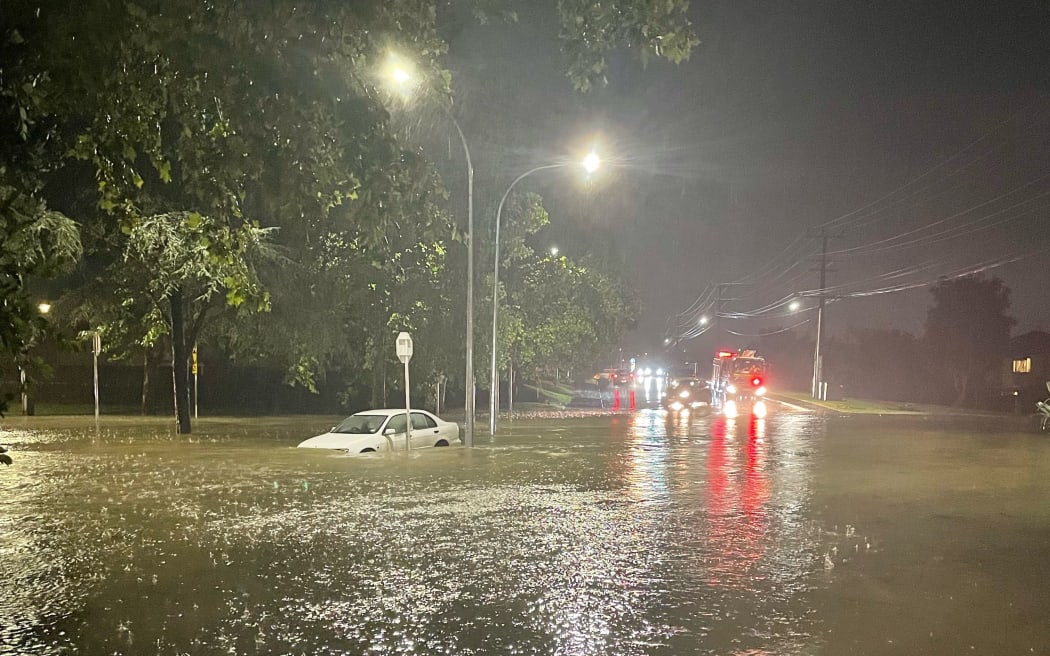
x: 761, y: 391
x: 731, y: 389
x: 684, y: 394
x: 676, y: 406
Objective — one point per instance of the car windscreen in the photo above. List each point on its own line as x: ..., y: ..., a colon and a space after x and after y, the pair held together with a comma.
x: 749, y: 366
x: 360, y: 424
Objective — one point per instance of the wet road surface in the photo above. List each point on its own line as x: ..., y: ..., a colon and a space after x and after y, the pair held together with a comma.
x: 640, y: 533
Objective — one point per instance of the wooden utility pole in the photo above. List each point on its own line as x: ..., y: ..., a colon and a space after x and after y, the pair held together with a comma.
x: 818, y: 357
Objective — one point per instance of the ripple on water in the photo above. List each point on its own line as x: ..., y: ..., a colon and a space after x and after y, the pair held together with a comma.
x: 672, y: 538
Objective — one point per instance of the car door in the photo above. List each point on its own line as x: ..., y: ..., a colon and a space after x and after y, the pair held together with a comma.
x: 394, y: 433
x: 425, y: 431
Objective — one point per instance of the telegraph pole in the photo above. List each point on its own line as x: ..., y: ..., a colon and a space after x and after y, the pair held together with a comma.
x: 818, y: 361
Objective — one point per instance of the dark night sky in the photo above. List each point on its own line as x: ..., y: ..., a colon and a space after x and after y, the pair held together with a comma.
x: 788, y: 116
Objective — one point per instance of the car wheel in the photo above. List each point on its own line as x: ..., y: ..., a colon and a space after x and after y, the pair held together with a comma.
x: 368, y: 450
x: 442, y: 443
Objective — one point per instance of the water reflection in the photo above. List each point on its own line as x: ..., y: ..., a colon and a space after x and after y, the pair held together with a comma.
x: 637, y: 534
x: 736, y: 502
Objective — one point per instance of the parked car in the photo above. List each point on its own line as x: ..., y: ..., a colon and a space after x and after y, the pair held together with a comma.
x: 686, y: 392
x: 384, y: 430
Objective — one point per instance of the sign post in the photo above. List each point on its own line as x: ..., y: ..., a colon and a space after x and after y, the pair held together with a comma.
x: 404, y: 353
x: 96, y: 349
x: 194, y: 380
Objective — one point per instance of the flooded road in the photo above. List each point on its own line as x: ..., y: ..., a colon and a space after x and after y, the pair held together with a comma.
x: 632, y: 534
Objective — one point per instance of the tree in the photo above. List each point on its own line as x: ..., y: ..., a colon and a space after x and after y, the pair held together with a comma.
x: 554, y: 311
x: 185, y: 263
x: 890, y: 365
x: 210, y: 113
x: 591, y: 30
x: 968, y: 331
x: 34, y: 241
x: 247, y: 115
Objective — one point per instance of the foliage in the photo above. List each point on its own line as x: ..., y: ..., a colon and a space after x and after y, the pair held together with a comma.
x: 591, y: 30
x: 968, y: 331
x: 34, y: 241
x: 180, y: 134
x: 204, y: 258
x: 554, y: 311
x: 889, y: 365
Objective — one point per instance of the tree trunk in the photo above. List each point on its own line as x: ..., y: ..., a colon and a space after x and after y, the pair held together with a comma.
x: 370, y: 359
x: 180, y: 370
x: 510, y: 388
x: 145, y: 382
x: 383, y: 360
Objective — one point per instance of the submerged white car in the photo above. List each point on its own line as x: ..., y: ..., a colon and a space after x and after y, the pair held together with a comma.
x: 384, y: 430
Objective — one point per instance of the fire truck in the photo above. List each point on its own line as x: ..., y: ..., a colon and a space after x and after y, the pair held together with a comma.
x: 738, y: 382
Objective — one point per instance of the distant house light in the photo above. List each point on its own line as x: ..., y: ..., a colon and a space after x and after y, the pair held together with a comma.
x: 1023, y: 366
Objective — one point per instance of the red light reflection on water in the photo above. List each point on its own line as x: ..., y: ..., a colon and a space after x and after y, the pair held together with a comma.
x: 737, y: 498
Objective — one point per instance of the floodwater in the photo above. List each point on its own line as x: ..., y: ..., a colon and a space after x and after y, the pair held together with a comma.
x: 632, y: 534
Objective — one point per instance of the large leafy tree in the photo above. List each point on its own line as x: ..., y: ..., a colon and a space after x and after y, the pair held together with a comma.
x: 228, y: 118
x: 220, y: 115
x: 554, y: 310
x: 968, y: 331
x: 340, y: 301
x: 34, y: 241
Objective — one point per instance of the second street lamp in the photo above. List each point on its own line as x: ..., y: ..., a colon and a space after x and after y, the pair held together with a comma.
x: 590, y: 164
x: 399, y: 73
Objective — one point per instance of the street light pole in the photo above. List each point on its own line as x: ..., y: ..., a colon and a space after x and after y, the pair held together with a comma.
x: 494, y: 393
x: 401, y: 76
x: 468, y: 431
x: 818, y: 362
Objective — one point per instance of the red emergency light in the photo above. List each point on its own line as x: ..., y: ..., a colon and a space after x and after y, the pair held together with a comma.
x: 726, y: 354
x: 756, y: 381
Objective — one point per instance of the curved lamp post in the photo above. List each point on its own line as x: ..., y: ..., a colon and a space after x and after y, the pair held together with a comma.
x: 399, y: 74
x: 590, y: 164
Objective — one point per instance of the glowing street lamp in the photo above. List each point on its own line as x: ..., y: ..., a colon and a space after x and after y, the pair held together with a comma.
x: 554, y: 251
x: 794, y: 306
x: 703, y: 321
x: 400, y: 75
x: 590, y: 164
x: 400, y: 72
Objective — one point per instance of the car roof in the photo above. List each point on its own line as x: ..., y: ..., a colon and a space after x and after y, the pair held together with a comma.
x: 386, y: 412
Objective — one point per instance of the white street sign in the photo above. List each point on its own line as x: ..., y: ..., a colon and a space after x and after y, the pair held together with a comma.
x: 404, y: 353
x: 404, y: 347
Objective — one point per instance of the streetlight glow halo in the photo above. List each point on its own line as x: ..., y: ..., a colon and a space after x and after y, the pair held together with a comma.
x: 592, y: 162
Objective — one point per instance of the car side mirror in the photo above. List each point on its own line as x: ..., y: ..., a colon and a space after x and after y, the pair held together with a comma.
x: 388, y: 431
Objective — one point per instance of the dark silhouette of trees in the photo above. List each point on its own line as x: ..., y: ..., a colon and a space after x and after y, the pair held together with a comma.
x: 888, y: 365
x: 175, y: 133
x: 968, y: 332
